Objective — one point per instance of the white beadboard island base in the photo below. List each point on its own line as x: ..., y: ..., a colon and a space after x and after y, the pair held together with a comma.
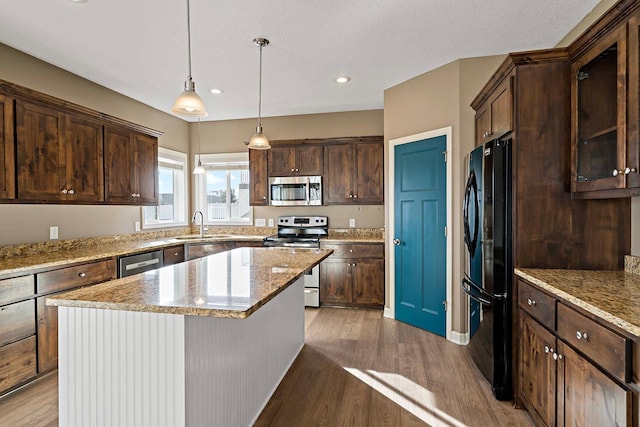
x: 125, y: 368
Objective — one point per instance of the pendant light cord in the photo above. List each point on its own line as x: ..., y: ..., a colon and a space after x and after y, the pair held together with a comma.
x: 260, y: 91
x: 189, y: 37
x: 199, y: 144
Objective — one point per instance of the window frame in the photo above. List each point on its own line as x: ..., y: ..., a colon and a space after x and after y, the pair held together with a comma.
x: 208, y: 162
x: 181, y: 201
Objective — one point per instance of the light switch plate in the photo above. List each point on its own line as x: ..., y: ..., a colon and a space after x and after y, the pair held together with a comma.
x: 270, y: 222
x: 260, y: 222
x: 53, y: 233
x: 352, y: 222
x: 137, y: 225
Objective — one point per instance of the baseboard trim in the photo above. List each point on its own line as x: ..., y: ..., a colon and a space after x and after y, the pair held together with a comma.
x: 388, y: 313
x: 460, y: 339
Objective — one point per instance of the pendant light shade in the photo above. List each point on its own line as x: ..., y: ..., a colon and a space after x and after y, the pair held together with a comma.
x: 259, y: 140
x: 188, y: 103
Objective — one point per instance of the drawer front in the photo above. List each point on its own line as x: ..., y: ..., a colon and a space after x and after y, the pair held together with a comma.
x: 173, y: 255
x: 16, y: 289
x: 17, y: 321
x: 539, y: 305
x: 605, y: 347
x: 354, y: 250
x: 18, y: 363
x: 79, y: 275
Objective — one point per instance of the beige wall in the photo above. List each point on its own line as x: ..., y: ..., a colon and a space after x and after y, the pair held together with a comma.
x: 30, y: 223
x: 228, y: 136
x: 431, y: 101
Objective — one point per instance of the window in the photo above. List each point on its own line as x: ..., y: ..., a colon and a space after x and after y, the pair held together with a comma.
x: 222, y: 192
x: 172, y: 185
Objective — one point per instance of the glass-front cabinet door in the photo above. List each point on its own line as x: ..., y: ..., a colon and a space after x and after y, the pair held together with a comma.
x: 599, y: 115
x: 633, y: 131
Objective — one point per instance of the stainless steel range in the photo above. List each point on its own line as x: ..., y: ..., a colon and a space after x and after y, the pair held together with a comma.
x: 302, y: 232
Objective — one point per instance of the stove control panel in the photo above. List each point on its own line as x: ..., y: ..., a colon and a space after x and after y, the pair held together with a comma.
x: 302, y: 221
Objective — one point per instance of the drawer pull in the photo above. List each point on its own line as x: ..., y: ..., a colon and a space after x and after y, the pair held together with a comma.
x: 82, y: 274
x: 175, y: 254
x: 581, y: 335
x: 351, y: 250
x: 531, y: 302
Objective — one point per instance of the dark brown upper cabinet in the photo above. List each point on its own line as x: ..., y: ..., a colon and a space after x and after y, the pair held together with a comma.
x: 494, y: 116
x: 353, y: 172
x: 7, y: 159
x: 605, y: 85
x: 599, y: 114
x: 295, y: 160
x: 59, y: 155
x: 53, y: 151
x: 131, y: 167
x: 258, y: 178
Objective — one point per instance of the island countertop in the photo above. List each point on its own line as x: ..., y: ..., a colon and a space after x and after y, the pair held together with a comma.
x: 231, y: 284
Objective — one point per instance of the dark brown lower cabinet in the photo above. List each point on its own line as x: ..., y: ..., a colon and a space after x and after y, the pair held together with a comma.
x: 17, y: 363
x: 561, y: 384
x: 537, y: 370
x: 349, y: 278
x: 47, y: 336
x: 586, y: 396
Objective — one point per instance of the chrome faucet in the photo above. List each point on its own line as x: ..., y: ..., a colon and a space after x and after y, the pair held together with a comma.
x: 193, y: 219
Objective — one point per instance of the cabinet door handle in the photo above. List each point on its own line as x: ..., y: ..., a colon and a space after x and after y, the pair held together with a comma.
x: 355, y: 196
x: 351, y: 195
x: 616, y: 172
x: 531, y: 302
x: 82, y: 274
x: 627, y: 171
x: 548, y: 349
x: 64, y: 191
x: 71, y: 191
x: 264, y: 197
x: 292, y: 170
x: 581, y: 335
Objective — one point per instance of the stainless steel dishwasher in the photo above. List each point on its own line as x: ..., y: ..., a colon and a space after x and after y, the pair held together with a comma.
x: 134, y: 264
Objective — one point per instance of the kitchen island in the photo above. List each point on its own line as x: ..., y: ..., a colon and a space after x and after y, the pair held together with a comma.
x: 205, y: 342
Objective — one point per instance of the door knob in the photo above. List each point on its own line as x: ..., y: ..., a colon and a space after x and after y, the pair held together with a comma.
x: 396, y: 242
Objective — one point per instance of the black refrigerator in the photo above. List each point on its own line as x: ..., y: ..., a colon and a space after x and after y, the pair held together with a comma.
x: 490, y: 346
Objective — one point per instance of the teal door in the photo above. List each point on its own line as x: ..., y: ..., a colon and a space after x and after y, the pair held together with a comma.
x: 420, y: 240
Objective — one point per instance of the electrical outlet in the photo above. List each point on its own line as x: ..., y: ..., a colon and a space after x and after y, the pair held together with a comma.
x: 53, y: 233
x: 270, y: 222
x: 137, y: 225
x: 260, y: 222
x: 352, y: 222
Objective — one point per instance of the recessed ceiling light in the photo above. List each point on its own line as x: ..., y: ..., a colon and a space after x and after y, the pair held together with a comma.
x: 343, y: 79
x: 217, y: 91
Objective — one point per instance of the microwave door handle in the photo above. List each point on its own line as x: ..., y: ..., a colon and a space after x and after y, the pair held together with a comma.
x: 308, y: 190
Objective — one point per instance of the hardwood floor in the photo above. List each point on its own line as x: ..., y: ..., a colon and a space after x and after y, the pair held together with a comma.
x: 356, y: 369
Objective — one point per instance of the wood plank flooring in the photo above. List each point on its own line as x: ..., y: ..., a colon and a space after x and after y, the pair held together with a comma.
x: 356, y: 369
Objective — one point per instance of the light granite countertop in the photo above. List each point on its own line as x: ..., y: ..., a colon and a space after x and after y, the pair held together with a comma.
x: 13, y: 265
x: 613, y: 296
x: 231, y: 284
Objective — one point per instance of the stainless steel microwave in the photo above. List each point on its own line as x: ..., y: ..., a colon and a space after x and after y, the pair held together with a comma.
x: 295, y: 191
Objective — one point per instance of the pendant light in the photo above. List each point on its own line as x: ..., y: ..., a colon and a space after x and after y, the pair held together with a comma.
x: 199, y: 169
x: 259, y: 141
x: 188, y: 103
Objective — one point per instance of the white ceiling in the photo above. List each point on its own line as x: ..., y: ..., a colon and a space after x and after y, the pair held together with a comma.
x: 139, y: 47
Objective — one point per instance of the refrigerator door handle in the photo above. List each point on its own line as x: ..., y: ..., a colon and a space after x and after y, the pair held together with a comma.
x: 480, y: 290
x: 472, y: 186
x: 467, y: 288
